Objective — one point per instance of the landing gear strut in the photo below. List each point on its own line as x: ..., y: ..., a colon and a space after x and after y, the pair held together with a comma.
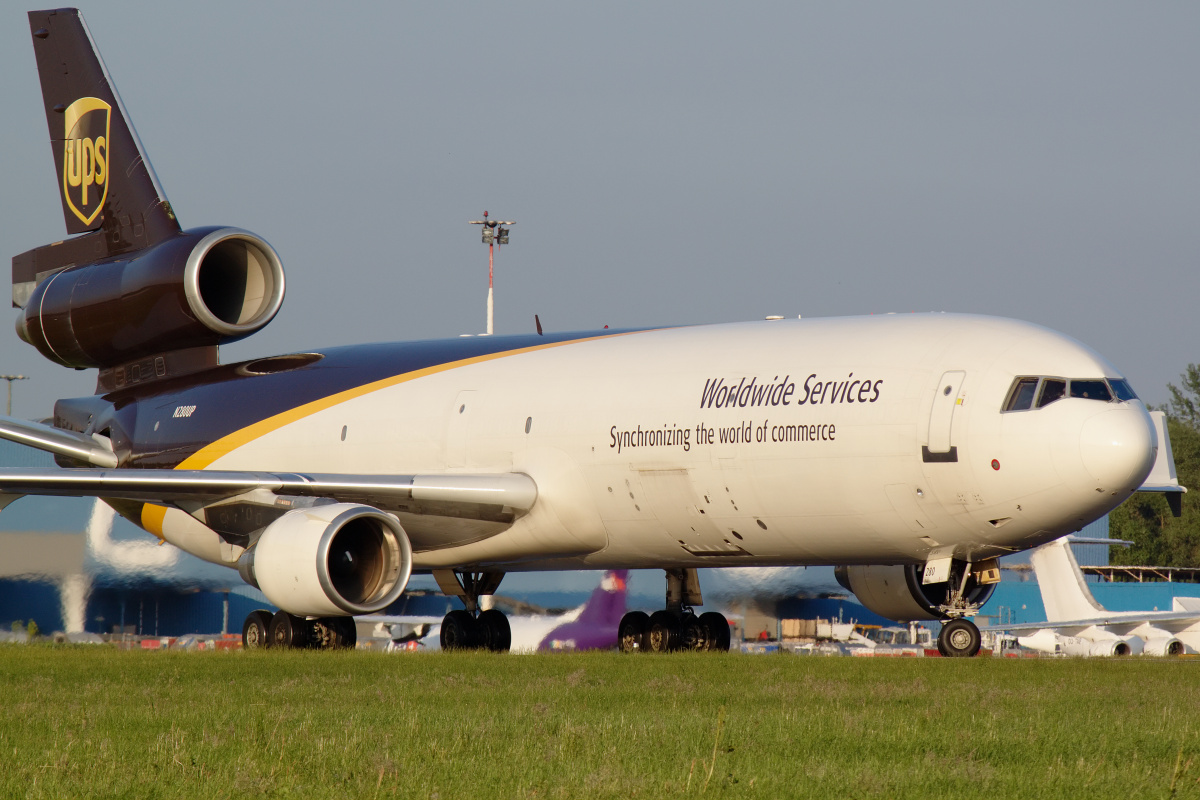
x: 676, y: 627
x: 471, y: 629
x: 960, y: 637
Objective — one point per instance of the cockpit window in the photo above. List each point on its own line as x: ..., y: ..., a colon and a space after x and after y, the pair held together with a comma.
x: 1052, y: 389
x: 1091, y: 390
x: 1122, y: 390
x: 1021, y: 396
x: 1047, y: 390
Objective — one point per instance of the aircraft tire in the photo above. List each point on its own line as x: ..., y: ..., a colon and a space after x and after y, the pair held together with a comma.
x: 347, y: 633
x: 460, y: 631
x: 287, y: 631
x: 959, y: 639
x: 495, y: 631
x: 254, y: 630
x: 693, y: 634
x: 664, y: 634
x: 333, y: 633
x: 716, y: 628
x: 631, y: 633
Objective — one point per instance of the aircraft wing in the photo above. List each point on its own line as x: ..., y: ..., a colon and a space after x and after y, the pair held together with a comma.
x: 1172, y: 621
x: 492, y: 497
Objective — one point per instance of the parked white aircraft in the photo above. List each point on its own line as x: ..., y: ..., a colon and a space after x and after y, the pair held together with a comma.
x: 911, y: 449
x: 1076, y: 624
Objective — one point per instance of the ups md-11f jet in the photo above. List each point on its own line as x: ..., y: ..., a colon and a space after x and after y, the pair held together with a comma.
x: 910, y: 450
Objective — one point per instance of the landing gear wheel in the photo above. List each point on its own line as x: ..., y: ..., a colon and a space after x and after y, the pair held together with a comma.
x: 664, y: 634
x: 717, y: 631
x: 959, y: 639
x: 460, y: 631
x: 333, y: 633
x: 693, y: 634
x: 287, y: 631
x: 254, y: 630
x: 347, y: 633
x: 631, y: 634
x: 494, y: 631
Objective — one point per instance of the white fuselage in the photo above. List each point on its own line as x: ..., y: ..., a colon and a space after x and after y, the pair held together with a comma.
x: 642, y: 459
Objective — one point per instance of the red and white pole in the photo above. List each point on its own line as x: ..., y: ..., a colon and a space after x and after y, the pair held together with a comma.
x: 490, y: 306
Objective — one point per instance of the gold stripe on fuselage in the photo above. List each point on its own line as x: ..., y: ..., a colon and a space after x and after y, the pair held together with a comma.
x: 206, y: 455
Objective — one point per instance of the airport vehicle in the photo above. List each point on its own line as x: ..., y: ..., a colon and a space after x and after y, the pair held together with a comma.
x: 910, y: 450
x: 1076, y: 624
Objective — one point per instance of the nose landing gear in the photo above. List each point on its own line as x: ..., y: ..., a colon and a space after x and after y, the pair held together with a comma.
x: 959, y: 639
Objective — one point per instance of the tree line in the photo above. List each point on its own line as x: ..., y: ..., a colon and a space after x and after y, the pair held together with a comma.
x: 1161, y: 539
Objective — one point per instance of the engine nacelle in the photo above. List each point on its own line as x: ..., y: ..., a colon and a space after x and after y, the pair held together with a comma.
x: 1108, y: 648
x: 199, y: 288
x: 896, y: 591
x: 330, y: 560
x: 1167, y: 646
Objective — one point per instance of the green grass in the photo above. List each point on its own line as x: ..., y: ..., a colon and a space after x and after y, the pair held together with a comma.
x: 96, y: 722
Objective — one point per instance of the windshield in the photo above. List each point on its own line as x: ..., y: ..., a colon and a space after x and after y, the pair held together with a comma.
x: 1047, y: 390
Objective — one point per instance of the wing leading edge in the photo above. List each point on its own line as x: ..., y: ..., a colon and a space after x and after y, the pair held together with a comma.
x: 490, y: 498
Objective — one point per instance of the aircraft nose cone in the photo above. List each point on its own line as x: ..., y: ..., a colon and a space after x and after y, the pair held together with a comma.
x: 1118, y: 448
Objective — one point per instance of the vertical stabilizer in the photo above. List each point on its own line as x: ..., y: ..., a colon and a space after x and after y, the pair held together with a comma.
x: 1064, y: 591
x: 606, y: 605
x: 108, y: 189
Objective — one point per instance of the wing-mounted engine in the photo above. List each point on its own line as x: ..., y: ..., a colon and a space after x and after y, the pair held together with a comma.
x: 156, y: 311
x: 1164, y: 646
x: 330, y: 560
x: 896, y: 591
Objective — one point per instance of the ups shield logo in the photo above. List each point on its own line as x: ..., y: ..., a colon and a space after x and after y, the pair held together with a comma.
x: 85, y: 157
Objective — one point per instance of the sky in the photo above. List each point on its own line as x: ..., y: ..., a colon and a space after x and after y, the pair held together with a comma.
x: 666, y: 163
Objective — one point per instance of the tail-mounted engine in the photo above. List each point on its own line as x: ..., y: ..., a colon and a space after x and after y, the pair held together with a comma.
x: 190, y: 292
x: 896, y: 592
x: 330, y: 560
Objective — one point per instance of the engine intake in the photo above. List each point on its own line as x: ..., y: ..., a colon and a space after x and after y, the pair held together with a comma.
x: 200, y: 288
x: 330, y: 560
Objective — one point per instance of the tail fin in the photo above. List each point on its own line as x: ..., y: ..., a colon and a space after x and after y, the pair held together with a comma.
x: 1064, y: 591
x: 607, y: 602
x: 107, y: 187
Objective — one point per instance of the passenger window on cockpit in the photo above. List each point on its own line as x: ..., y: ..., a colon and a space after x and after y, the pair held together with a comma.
x: 1122, y: 390
x: 1052, y: 389
x: 1090, y: 390
x: 1020, y: 397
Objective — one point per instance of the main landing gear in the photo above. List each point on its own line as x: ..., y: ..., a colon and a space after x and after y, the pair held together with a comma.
x: 676, y: 627
x: 281, y: 629
x: 470, y: 628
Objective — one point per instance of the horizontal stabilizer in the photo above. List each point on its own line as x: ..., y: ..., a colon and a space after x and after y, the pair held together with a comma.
x: 69, y: 444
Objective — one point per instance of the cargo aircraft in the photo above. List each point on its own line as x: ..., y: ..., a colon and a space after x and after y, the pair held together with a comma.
x: 910, y: 450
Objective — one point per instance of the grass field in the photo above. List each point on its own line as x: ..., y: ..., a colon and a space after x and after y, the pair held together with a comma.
x: 97, y: 722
